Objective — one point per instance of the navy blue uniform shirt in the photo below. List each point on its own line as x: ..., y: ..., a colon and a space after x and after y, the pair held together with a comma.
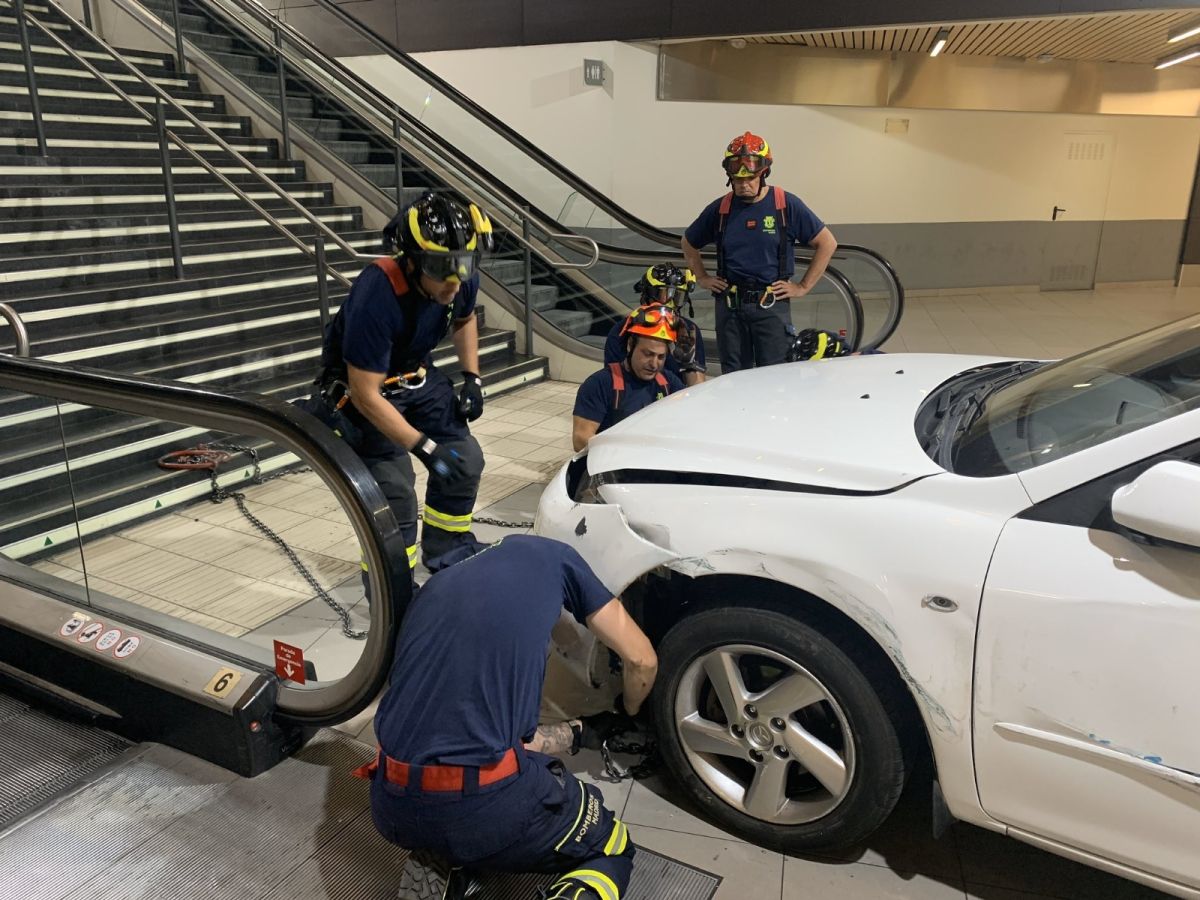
x: 614, y: 348
x: 752, y: 236
x: 594, y: 400
x: 466, y: 684
x: 376, y: 331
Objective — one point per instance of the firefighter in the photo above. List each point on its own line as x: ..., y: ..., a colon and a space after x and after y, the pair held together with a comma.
x: 755, y: 228
x: 639, y: 379
x: 464, y: 772
x: 378, y: 351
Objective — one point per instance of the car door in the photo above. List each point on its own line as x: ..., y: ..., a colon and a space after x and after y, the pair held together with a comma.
x: 1087, y: 705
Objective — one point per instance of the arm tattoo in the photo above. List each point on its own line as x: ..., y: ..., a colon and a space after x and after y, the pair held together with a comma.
x: 551, y: 739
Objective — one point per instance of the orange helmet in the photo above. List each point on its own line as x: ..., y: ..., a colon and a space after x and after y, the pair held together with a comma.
x: 656, y: 321
x: 747, y: 156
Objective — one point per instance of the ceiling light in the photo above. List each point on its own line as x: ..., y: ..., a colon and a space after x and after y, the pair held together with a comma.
x: 939, y: 41
x: 1176, y: 58
x: 1184, y: 32
x: 738, y: 43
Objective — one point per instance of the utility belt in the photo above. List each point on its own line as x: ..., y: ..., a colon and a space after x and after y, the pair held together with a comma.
x: 435, y: 779
x: 744, y: 293
x: 335, y: 387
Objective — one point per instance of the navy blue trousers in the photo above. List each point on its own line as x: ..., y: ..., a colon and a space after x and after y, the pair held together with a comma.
x: 541, y: 820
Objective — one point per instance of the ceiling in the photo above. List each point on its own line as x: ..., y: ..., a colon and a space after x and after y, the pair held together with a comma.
x: 1131, y: 37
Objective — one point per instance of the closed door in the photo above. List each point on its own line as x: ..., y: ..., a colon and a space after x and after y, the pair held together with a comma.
x: 1075, y: 210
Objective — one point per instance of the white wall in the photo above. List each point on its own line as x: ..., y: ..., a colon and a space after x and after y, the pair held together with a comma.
x: 661, y: 159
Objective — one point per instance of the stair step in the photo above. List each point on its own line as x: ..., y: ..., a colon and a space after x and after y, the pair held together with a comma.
x: 45, y: 202
x: 64, y: 237
x: 33, y: 170
x: 159, y: 63
x: 45, y: 69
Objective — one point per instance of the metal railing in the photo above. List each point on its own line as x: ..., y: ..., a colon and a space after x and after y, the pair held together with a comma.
x: 168, y: 136
x: 20, y: 335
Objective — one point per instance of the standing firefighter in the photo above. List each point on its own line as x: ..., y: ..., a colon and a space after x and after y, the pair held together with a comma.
x: 463, y: 772
x: 378, y: 349
x: 755, y: 228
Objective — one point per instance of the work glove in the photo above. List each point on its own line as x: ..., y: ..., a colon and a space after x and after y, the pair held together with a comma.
x: 442, y: 461
x: 469, y: 406
x: 600, y: 727
x: 684, y: 350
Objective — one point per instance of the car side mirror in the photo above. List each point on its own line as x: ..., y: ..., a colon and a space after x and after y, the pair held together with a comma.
x: 1163, y: 502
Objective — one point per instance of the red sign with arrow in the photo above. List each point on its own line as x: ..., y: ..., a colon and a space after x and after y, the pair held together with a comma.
x: 289, y: 662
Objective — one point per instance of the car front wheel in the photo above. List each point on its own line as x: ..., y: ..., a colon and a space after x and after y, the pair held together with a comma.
x: 775, y: 730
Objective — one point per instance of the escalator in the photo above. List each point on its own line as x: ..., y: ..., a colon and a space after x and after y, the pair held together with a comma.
x: 423, y: 134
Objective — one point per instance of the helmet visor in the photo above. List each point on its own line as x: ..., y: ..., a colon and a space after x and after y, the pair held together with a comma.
x: 444, y: 266
x: 746, y: 166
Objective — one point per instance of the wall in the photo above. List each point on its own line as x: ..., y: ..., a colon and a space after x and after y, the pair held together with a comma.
x: 963, y: 198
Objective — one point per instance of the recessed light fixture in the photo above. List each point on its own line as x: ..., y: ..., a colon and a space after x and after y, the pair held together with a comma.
x: 738, y: 43
x: 1176, y: 58
x: 1184, y: 32
x: 940, y: 41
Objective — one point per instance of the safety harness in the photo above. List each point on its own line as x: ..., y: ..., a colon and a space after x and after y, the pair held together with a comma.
x: 784, y: 244
x: 618, y: 377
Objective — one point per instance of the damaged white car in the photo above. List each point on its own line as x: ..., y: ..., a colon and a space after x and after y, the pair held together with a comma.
x: 847, y: 563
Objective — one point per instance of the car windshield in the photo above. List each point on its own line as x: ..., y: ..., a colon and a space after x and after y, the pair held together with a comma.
x: 1076, y: 403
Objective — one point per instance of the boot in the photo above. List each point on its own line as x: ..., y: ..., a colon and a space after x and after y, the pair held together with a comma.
x: 427, y: 876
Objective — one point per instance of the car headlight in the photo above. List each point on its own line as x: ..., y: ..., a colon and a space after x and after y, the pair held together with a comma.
x: 582, y: 487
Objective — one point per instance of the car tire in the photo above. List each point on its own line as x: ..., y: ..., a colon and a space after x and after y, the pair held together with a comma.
x: 842, y: 689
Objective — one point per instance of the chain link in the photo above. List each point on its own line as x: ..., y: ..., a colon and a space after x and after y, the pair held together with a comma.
x: 500, y: 523
x: 219, y: 494
x: 616, y: 743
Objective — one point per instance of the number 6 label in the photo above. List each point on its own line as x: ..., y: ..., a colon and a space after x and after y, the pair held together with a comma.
x: 223, y: 682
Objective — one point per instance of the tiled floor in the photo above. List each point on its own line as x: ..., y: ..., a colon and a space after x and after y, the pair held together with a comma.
x: 208, y: 566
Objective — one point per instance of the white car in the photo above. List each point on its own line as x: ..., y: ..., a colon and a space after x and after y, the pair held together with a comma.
x: 848, y: 563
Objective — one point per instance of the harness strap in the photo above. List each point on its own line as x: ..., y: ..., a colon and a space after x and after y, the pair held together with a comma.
x: 394, y: 274
x: 780, y: 196
x: 618, y: 377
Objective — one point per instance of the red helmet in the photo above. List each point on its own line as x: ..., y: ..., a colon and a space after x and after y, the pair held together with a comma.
x: 747, y: 156
x: 656, y: 321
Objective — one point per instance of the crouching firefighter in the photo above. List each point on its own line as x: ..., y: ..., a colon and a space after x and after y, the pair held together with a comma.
x: 640, y: 378
x: 463, y: 774
x: 378, y: 354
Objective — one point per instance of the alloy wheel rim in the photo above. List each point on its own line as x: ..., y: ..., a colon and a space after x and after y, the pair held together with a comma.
x: 764, y: 734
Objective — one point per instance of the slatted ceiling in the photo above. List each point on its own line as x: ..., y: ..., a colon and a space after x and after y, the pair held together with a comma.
x: 1130, y: 37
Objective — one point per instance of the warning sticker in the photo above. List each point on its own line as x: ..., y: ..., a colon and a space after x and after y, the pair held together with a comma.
x: 289, y: 662
x: 127, y: 646
x: 90, y: 633
x: 108, y: 639
x: 72, y: 625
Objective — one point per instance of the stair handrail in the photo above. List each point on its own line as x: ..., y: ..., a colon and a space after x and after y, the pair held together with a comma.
x: 208, y: 132
x: 18, y: 327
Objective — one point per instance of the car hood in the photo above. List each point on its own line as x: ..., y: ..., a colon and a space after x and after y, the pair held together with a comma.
x: 840, y: 424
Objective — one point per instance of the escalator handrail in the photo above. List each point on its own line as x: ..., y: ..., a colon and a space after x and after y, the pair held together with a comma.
x: 240, y: 412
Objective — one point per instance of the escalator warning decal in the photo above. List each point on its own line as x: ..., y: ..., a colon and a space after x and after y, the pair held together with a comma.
x: 73, y: 624
x: 127, y: 646
x: 90, y: 633
x: 108, y: 639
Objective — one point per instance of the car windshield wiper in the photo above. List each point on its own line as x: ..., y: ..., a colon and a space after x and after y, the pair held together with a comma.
x: 965, y: 409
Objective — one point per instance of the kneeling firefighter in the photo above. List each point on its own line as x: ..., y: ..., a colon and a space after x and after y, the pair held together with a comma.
x: 377, y: 352
x: 667, y: 285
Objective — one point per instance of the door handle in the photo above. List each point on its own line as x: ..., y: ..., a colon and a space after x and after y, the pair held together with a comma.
x: 1054, y: 214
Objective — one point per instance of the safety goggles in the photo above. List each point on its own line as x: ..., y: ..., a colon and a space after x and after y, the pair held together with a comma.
x: 652, y: 315
x: 444, y: 266
x: 746, y: 166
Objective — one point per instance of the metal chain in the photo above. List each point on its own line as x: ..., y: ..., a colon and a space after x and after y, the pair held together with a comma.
x: 219, y: 494
x: 616, y: 743
x: 485, y: 520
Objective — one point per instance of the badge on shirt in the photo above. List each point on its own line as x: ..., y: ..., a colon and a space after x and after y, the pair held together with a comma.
x: 769, y: 224
x: 752, y: 224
